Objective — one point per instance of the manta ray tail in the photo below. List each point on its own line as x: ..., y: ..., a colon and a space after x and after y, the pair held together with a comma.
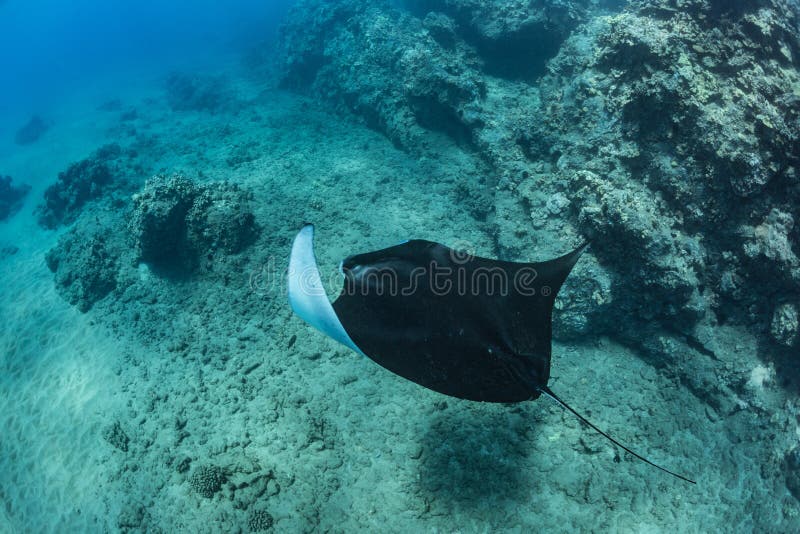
x: 547, y: 391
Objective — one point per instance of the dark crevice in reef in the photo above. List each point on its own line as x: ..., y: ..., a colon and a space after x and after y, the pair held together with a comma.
x: 305, y: 71
x: 522, y: 56
x: 513, y: 42
x: 432, y: 115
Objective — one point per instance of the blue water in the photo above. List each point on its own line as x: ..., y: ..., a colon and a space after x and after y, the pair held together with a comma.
x: 48, y: 47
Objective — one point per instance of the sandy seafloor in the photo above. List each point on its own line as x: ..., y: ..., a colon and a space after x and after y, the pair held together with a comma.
x: 320, y: 438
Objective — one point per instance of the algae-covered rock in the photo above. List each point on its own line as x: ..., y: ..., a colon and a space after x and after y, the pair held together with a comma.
x: 513, y: 39
x: 86, y: 264
x: 583, y: 304
x: 158, y: 221
x: 792, y: 471
x: 221, y: 220
x: 175, y: 223
x: 80, y: 183
x: 674, y: 107
x: 384, y: 65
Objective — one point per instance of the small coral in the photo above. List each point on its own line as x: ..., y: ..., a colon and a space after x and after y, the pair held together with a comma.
x: 259, y: 521
x: 183, y: 465
x: 8, y: 251
x: 131, y: 518
x: 207, y: 480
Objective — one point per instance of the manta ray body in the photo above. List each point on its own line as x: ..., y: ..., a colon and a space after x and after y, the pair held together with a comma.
x: 465, y: 326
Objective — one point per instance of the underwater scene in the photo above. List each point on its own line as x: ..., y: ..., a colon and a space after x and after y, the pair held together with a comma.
x: 401, y: 266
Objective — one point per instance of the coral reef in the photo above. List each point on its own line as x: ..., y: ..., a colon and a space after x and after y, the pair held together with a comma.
x: 176, y: 223
x: 172, y: 224
x: 382, y: 64
x: 31, y: 131
x: 513, y: 39
x: 86, y: 264
x: 11, y: 197
x: 689, y: 126
x: 82, y: 182
x: 207, y: 480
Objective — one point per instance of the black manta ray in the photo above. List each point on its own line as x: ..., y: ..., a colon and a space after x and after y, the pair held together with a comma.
x: 465, y: 326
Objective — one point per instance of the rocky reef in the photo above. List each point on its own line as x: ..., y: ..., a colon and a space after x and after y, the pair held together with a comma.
x: 11, y: 197
x: 82, y: 182
x: 665, y: 132
x: 86, y: 264
x: 174, y: 225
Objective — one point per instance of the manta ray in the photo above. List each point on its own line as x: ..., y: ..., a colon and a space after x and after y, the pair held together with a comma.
x: 469, y: 327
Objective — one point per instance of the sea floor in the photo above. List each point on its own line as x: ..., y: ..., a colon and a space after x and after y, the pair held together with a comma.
x: 215, y: 375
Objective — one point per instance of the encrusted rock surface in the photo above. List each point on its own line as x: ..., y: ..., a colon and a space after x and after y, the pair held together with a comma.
x: 85, y: 264
x: 176, y: 222
x: 177, y: 226
x: 80, y: 183
x: 785, y: 326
